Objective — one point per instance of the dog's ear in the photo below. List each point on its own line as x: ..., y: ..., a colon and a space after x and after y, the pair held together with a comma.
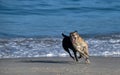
x: 64, y: 35
x: 76, y: 31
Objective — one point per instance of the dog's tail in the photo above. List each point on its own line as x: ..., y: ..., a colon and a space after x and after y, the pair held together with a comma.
x: 64, y: 35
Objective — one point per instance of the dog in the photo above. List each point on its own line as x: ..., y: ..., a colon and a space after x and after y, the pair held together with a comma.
x: 79, y: 45
x: 67, y: 45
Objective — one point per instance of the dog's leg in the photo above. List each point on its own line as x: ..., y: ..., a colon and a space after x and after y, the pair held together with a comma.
x: 80, y: 56
x: 67, y: 50
x: 87, y: 61
x: 70, y: 55
x: 87, y: 55
x: 75, y: 54
x: 82, y: 53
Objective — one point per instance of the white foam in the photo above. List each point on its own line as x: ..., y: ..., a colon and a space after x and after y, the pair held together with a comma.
x: 63, y: 55
x: 50, y: 55
x: 51, y: 47
x: 108, y: 53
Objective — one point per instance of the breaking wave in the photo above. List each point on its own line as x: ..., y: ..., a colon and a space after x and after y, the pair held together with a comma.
x: 52, y: 47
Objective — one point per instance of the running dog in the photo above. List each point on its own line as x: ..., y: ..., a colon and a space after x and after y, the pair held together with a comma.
x: 67, y: 45
x: 79, y: 45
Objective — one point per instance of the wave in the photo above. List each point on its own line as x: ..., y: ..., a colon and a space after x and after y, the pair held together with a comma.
x: 50, y: 47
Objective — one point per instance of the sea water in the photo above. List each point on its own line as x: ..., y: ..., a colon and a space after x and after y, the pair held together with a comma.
x: 32, y: 28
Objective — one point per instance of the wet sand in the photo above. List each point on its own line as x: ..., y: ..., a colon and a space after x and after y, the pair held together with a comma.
x: 59, y: 66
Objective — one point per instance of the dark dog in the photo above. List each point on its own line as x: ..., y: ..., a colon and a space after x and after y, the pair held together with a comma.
x: 67, y: 45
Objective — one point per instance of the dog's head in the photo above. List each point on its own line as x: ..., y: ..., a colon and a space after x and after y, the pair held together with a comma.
x: 74, y: 35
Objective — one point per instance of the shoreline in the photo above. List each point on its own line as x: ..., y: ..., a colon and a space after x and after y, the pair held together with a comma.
x: 59, y: 66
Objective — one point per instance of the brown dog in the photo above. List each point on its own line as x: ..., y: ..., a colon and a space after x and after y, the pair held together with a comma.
x: 80, y: 45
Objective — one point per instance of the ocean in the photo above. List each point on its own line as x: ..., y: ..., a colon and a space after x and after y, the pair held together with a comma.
x: 32, y: 28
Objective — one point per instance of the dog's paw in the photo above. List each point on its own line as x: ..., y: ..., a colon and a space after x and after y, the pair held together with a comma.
x: 87, y: 62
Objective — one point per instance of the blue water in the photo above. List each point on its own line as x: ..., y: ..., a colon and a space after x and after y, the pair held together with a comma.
x: 32, y: 28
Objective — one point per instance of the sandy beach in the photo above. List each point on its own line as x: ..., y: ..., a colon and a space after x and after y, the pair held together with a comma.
x: 59, y: 66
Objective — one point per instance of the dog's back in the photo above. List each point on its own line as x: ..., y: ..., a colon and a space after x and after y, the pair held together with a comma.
x: 66, y: 43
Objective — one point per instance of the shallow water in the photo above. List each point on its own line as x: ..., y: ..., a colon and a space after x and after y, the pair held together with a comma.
x: 52, y: 47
